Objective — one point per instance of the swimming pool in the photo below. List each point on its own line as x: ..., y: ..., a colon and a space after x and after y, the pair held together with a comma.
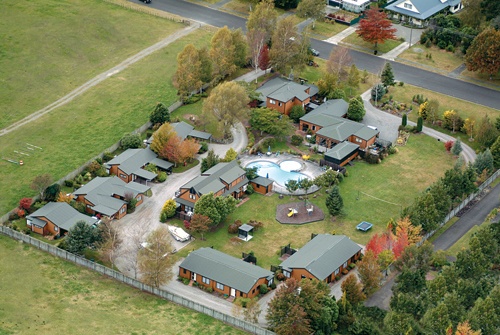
x: 274, y: 172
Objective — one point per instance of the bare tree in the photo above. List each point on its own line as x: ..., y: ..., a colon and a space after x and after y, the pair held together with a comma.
x: 111, y: 240
x: 132, y: 245
x: 40, y: 184
x: 154, y: 262
x: 338, y: 62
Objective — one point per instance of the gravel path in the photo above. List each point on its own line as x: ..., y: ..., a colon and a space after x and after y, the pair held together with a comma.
x: 99, y: 78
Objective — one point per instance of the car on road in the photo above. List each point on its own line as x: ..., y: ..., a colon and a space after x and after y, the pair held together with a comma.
x: 146, y: 1
x: 314, y: 52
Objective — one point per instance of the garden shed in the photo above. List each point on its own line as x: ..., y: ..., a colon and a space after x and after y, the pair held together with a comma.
x: 245, y: 232
x: 342, y: 153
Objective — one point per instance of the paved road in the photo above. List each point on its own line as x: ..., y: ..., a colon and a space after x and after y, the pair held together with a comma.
x: 474, y: 217
x: 403, y: 72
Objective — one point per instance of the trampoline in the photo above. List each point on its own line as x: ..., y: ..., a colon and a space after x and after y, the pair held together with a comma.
x: 364, y: 226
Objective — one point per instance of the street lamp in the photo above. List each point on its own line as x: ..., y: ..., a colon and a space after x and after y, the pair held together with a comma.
x: 411, y: 30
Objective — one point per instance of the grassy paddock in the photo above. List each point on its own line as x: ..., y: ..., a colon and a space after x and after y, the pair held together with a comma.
x: 397, y: 180
x: 74, y: 133
x: 61, y: 45
x: 54, y: 294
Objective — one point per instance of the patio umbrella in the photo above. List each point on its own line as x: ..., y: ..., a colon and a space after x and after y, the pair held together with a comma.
x: 269, y: 149
x: 267, y: 176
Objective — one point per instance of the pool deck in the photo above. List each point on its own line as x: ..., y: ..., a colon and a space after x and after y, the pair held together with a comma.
x: 310, y: 169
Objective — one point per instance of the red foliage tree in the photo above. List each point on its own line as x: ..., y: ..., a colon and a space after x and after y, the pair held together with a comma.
x: 25, y: 203
x: 448, y: 145
x: 172, y: 150
x: 376, y: 28
x: 379, y: 243
x: 400, y: 243
x: 264, y: 58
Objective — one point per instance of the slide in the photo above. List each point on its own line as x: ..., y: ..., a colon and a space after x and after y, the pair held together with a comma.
x: 291, y: 213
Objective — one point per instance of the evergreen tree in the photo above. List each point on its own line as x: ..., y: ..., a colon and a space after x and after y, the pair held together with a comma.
x: 211, y: 160
x: 378, y: 92
x: 420, y: 124
x: 404, y: 120
x: 456, y: 149
x: 484, y: 161
x: 356, y: 110
x: 387, y: 76
x: 495, y: 152
x: 160, y: 114
x: 334, y: 201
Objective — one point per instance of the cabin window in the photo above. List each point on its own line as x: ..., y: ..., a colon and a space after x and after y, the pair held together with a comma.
x: 408, y: 6
x: 280, y: 104
x: 122, y: 210
x: 219, y: 286
x: 192, y: 196
x: 184, y: 271
x: 344, y: 265
x: 205, y: 280
x: 139, y: 198
x: 122, y: 175
x: 358, y: 140
x: 337, y: 271
x: 56, y: 228
x: 272, y: 102
x: 313, y: 127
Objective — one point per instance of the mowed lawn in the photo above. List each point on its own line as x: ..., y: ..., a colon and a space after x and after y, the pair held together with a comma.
x: 42, y: 294
x: 50, y: 47
x: 78, y: 131
x: 374, y: 193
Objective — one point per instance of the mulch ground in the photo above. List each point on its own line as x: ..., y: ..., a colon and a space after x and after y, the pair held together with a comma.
x: 301, y: 217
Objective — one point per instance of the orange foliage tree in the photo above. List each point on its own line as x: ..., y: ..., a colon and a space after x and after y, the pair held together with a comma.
x: 376, y: 27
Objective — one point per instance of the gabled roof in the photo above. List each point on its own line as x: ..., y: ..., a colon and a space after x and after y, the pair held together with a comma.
x: 224, y: 269
x: 335, y: 107
x: 281, y: 89
x: 184, y: 130
x: 322, y: 255
x: 341, y: 150
x: 262, y: 181
x: 421, y: 9
x: 100, y: 191
x: 61, y: 214
x: 132, y: 160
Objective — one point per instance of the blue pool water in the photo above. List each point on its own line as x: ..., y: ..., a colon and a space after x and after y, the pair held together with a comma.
x: 274, y: 172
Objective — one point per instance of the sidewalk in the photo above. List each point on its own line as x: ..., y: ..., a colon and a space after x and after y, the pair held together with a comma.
x: 391, y: 55
x: 340, y: 36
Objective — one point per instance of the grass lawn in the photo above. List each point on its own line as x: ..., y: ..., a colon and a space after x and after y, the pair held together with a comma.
x: 326, y: 29
x: 41, y: 293
x: 396, y: 180
x: 354, y: 39
x: 63, y: 43
x: 78, y: 131
x: 494, y: 83
x: 441, y: 59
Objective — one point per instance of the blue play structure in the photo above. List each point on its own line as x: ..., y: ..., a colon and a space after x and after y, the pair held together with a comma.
x: 364, y: 226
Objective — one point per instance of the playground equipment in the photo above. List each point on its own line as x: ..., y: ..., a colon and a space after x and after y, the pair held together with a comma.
x: 293, y: 211
x: 310, y: 210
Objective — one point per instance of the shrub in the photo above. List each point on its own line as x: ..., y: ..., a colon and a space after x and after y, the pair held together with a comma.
x: 337, y: 277
x: 132, y: 140
x: 401, y: 83
x: 233, y: 228
x: 345, y: 271
x: 450, y: 48
x: 280, y: 276
x: 187, y: 224
x: 263, y: 289
x: 256, y: 225
x: 13, y: 215
x: 273, y: 286
x: 296, y: 140
x: 162, y: 176
x: 209, y: 289
x: 107, y: 156
x: 25, y: 203
x: 296, y: 113
x: 203, y: 148
x: 68, y: 183
x: 93, y: 167
x: 131, y: 205
x: 251, y: 139
x: 21, y: 212
x: 352, y: 266
x: 169, y: 208
x: 27, y: 231
x: 250, y: 190
x: 448, y: 145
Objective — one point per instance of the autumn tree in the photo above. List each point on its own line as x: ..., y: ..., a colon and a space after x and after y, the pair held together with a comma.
x: 353, y: 290
x: 187, y: 77
x: 376, y: 27
x: 230, y: 156
x: 154, y: 261
x: 413, y: 232
x: 353, y: 77
x: 263, y: 18
x: 264, y: 60
x: 369, y: 273
x: 464, y: 328
x: 228, y: 102
x: 311, y: 9
x: 468, y: 127
x: 484, y: 52
x: 161, y: 137
x: 206, y: 65
x: 200, y: 224
x: 41, y: 183
x: 327, y: 85
x: 160, y: 114
x: 172, y: 150
x: 256, y: 43
x: 222, y: 54
x: 287, y: 52
x: 189, y: 149
x: 270, y: 121
x: 452, y: 120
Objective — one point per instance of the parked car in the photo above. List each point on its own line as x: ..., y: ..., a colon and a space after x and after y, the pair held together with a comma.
x: 146, y: 1
x: 314, y: 52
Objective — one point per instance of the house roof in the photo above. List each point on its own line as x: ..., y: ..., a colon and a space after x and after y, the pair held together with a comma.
x: 281, y: 89
x: 133, y: 159
x: 322, y: 255
x: 61, y: 214
x: 224, y: 269
x: 245, y: 227
x: 421, y: 9
x: 100, y: 192
x: 145, y: 174
x: 184, y: 130
x: 262, y: 181
x: 356, y: 2
x: 211, y: 180
x: 335, y: 107
x: 161, y: 163
x: 341, y: 150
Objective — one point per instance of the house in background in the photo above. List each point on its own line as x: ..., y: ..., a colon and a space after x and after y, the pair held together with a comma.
x: 224, y: 179
x: 224, y: 274
x: 322, y: 258
x: 355, y: 6
x: 185, y: 130
x: 106, y: 196
x: 419, y: 12
x: 129, y: 165
x: 56, y: 218
x: 282, y: 94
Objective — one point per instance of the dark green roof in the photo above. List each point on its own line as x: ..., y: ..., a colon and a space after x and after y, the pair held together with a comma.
x: 224, y: 269
x: 262, y: 181
x: 342, y: 150
x: 281, y: 89
x: 322, y: 255
x: 61, y: 214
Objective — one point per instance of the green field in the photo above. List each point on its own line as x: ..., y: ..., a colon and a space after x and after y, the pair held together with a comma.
x: 50, y: 47
x: 398, y: 179
x: 83, y: 128
x: 42, y: 294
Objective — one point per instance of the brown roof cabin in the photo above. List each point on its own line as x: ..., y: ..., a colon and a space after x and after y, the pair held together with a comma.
x: 262, y: 185
x: 282, y: 94
x: 224, y: 274
x: 106, y: 196
x: 223, y: 179
x: 322, y: 258
x: 56, y: 218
